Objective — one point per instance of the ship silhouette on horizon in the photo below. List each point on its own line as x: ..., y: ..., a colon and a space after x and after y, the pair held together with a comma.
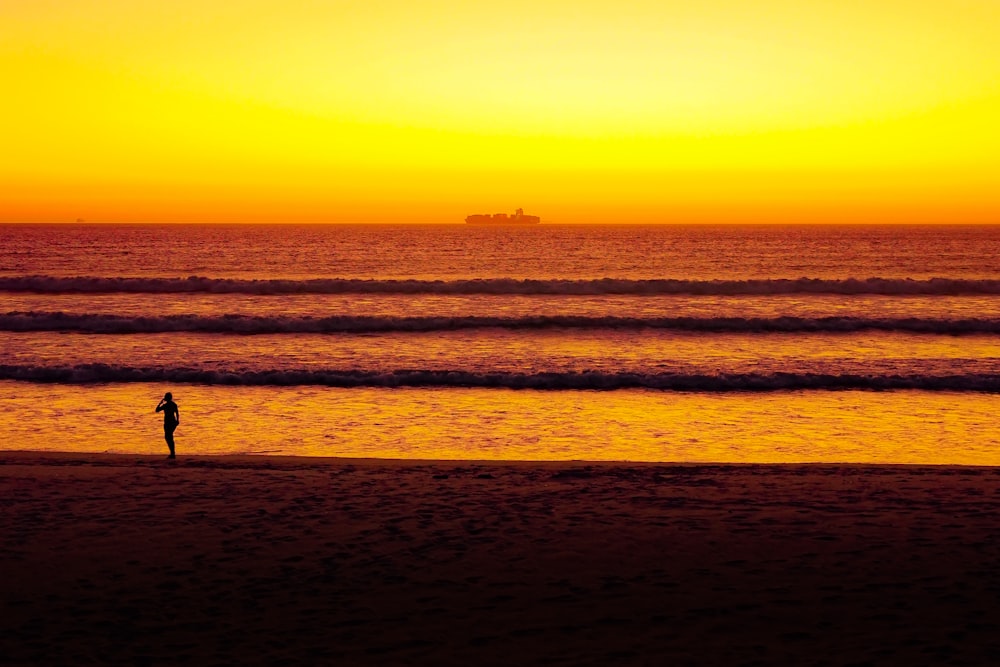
x: 519, y: 218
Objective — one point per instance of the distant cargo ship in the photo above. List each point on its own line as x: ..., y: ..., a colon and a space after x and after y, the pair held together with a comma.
x: 519, y: 218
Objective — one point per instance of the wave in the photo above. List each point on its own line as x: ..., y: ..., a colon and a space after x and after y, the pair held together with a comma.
x: 248, y: 324
x: 730, y: 382
x: 198, y: 284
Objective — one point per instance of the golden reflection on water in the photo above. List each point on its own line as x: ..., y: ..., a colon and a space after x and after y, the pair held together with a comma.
x: 428, y: 423
x: 512, y: 305
x: 642, y: 351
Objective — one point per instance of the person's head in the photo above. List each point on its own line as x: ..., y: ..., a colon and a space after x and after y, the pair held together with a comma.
x: 168, y: 396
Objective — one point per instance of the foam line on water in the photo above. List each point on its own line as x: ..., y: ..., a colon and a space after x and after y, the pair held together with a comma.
x: 249, y: 324
x: 199, y: 284
x: 730, y: 382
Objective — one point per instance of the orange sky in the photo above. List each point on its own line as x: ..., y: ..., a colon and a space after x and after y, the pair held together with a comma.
x: 579, y: 111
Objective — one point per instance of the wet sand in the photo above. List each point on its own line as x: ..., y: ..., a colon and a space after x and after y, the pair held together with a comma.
x: 233, y: 560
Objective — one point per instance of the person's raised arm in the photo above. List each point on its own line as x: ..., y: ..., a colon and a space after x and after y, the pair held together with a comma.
x: 159, y: 406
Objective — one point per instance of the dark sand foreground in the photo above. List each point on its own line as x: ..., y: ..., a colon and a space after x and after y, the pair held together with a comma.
x: 134, y: 560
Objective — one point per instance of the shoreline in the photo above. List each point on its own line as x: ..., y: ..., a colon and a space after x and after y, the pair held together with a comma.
x: 50, y: 457
x: 134, y: 559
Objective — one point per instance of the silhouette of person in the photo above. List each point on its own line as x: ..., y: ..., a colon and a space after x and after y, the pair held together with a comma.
x: 171, y: 420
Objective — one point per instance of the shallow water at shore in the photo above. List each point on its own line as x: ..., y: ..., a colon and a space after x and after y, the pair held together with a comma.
x: 499, y: 424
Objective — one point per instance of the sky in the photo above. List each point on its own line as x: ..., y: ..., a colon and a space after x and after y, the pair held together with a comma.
x: 633, y: 111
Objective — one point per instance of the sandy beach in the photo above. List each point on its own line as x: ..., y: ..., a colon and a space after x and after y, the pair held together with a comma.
x: 111, y: 559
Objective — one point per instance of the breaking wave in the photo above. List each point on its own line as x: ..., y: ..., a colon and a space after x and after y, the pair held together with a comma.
x: 197, y: 284
x: 249, y: 324
x: 734, y: 382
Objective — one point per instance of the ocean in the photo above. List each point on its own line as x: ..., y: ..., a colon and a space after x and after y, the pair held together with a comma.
x: 550, y: 342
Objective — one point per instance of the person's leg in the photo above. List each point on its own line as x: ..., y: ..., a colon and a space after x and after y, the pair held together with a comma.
x: 168, y: 433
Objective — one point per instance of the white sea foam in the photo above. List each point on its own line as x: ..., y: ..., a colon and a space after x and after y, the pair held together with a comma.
x: 198, y: 284
x: 248, y: 324
x: 600, y: 381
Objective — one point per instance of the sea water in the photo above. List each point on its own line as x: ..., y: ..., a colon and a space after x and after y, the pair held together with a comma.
x: 654, y: 343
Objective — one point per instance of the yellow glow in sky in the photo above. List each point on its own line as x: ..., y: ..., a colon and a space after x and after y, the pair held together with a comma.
x: 391, y: 110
